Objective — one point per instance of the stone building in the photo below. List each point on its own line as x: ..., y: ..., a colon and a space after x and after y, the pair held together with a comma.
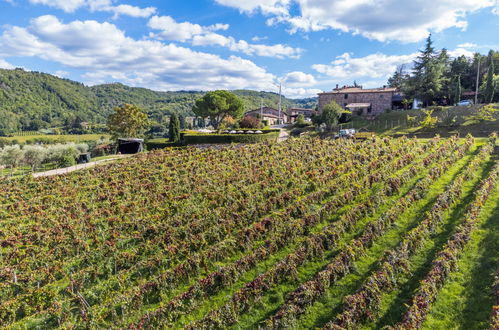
x: 368, y: 102
x: 269, y: 114
x: 293, y: 113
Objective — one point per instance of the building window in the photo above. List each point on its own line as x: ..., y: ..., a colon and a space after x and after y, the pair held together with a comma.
x: 346, y: 96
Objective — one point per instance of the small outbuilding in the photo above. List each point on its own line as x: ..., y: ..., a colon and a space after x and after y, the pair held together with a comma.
x: 84, y: 158
x: 130, y: 146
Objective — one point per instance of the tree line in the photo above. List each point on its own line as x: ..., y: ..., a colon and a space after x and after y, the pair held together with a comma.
x: 33, y: 101
x: 436, y: 78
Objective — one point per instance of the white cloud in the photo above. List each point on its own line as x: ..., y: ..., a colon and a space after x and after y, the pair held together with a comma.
x: 171, y: 30
x: 276, y: 7
x: 257, y: 38
x: 297, y: 93
x: 461, y: 51
x: 5, y: 65
x: 372, y: 66
x: 205, y: 36
x: 61, y: 73
x: 297, y: 78
x: 107, y: 54
x: 383, y: 20
x: 467, y: 45
x: 70, y: 6
x: 276, y: 51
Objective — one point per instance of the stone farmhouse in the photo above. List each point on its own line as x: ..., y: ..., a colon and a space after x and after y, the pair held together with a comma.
x: 293, y: 113
x: 269, y: 114
x: 367, y: 102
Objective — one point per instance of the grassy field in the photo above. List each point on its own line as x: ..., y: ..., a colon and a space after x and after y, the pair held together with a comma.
x: 301, y: 234
x: 55, y: 138
x: 451, y: 120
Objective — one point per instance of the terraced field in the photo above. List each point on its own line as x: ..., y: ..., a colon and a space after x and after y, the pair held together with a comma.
x: 301, y: 234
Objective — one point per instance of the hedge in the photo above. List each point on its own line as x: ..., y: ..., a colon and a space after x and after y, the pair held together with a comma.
x: 160, y: 144
x: 206, y: 138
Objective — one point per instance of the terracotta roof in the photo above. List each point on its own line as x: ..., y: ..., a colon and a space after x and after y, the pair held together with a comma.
x: 358, y: 105
x: 352, y: 90
x: 265, y: 109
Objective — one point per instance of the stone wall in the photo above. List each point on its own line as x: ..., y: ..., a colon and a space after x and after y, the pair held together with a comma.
x: 380, y: 101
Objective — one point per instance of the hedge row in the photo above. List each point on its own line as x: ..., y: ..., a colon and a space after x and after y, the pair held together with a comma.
x: 193, y: 137
x: 161, y: 144
x: 230, y: 138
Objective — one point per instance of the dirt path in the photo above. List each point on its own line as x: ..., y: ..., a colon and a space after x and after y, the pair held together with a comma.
x: 283, y: 135
x: 70, y: 169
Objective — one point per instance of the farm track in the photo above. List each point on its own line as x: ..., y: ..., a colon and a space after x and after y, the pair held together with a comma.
x: 267, y: 236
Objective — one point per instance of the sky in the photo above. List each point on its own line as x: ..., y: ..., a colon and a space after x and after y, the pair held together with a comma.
x: 308, y: 46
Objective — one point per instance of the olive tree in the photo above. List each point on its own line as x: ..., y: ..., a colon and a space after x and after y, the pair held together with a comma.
x: 11, y: 156
x: 34, y: 155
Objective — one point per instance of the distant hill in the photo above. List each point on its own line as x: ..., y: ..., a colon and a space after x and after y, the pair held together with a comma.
x: 34, y: 100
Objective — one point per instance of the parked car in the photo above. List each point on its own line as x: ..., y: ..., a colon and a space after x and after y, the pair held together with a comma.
x: 464, y: 103
x: 345, y: 134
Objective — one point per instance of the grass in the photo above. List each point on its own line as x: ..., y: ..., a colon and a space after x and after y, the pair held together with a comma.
x: 330, y: 304
x: 393, y: 304
x: 452, y: 120
x: 464, y: 301
x: 274, y: 298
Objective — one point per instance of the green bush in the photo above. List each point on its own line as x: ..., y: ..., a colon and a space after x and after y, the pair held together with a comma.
x: 267, y: 135
x: 161, y: 144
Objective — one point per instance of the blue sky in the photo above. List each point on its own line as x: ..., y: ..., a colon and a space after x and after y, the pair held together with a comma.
x: 308, y: 45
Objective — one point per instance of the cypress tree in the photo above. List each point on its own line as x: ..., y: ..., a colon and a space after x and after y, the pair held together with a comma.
x: 174, y: 131
x: 489, y: 87
x: 457, y: 89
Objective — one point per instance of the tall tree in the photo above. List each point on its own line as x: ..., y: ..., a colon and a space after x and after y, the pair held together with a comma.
x: 217, y: 105
x: 445, y: 65
x: 399, y: 77
x: 457, y: 89
x: 428, y: 73
x: 174, y: 131
x: 489, y: 87
x: 128, y: 121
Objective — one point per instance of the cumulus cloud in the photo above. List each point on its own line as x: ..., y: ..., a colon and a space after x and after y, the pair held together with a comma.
x: 205, y: 36
x: 372, y: 66
x: 383, y: 20
x: 171, y: 30
x: 5, y: 65
x: 275, y: 7
x: 276, y: 51
x: 297, y: 78
x: 298, y: 93
x: 70, y: 6
x: 107, y: 54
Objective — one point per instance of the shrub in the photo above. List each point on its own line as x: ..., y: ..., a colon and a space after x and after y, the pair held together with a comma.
x: 249, y: 122
x: 268, y: 135
x: 161, y: 144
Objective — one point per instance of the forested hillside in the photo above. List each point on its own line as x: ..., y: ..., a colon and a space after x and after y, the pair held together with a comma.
x: 34, y: 100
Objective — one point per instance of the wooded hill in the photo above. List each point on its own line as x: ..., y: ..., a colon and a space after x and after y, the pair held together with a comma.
x: 34, y: 100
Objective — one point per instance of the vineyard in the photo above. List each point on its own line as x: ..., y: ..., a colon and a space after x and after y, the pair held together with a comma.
x: 307, y: 233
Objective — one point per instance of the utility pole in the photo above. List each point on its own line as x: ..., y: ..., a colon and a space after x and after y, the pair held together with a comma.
x: 280, y: 100
x: 477, y: 80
